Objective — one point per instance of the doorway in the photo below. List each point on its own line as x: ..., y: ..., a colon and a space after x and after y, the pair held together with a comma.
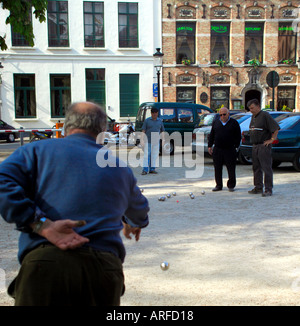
x: 250, y: 95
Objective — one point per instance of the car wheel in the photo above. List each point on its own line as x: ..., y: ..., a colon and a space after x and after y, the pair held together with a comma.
x: 296, y: 162
x: 10, y: 138
x: 244, y: 159
x: 168, y: 149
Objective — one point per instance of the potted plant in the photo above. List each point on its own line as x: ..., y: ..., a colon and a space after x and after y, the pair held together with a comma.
x: 221, y: 63
x: 286, y: 109
x: 186, y: 61
x: 254, y: 63
x: 288, y: 61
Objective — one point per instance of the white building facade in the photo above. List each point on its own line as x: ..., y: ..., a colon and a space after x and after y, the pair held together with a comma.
x: 100, y: 51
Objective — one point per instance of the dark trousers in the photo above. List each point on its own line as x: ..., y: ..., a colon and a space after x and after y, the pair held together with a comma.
x: 262, y: 167
x: 82, y: 277
x: 227, y: 157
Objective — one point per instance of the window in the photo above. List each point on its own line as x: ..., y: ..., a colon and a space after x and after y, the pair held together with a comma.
x: 93, y: 24
x: 95, y: 86
x: 287, y: 39
x: 25, y: 103
x: 18, y: 39
x: 185, y: 115
x: 186, y: 94
x: 219, y: 45
x: 60, y: 88
x: 254, y: 34
x: 58, y: 35
x: 286, y: 98
x: 219, y: 97
x: 185, y: 42
x: 168, y: 115
x: 128, y: 25
x: 129, y: 94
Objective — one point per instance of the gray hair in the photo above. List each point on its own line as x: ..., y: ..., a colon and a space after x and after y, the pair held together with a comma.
x: 87, y: 116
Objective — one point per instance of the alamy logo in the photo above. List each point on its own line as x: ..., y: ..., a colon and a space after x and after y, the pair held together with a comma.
x: 194, y: 164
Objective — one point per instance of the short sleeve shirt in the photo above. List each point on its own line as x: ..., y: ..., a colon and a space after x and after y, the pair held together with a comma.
x: 153, y: 126
x: 261, y: 127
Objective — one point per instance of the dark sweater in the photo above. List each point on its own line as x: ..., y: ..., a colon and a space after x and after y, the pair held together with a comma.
x: 228, y: 136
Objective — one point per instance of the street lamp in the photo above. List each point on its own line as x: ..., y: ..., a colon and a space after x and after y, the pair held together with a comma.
x: 158, y: 65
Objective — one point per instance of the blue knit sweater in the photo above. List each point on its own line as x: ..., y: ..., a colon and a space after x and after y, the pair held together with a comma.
x: 61, y: 177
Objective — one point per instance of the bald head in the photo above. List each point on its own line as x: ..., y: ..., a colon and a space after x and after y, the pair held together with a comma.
x: 224, y: 114
x: 85, y: 117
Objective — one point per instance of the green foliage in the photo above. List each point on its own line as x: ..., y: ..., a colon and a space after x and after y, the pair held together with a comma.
x: 186, y: 62
x: 20, y: 19
x: 288, y: 61
x: 220, y: 63
x: 286, y: 108
x: 254, y: 62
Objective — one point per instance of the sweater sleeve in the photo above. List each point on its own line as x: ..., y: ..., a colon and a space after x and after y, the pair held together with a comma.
x: 238, y: 135
x: 16, y: 189
x: 137, y: 212
x: 211, y: 137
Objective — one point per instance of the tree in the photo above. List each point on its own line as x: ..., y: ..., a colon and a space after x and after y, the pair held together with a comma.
x: 19, y: 18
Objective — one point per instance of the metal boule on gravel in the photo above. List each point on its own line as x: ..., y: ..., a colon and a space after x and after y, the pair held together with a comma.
x: 164, y: 265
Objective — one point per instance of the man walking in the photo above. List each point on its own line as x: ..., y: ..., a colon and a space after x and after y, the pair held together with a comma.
x: 70, y: 212
x: 263, y: 131
x: 225, y: 135
x: 152, y: 128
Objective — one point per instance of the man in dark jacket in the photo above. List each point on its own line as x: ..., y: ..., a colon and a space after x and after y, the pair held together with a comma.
x: 225, y: 135
x: 69, y: 212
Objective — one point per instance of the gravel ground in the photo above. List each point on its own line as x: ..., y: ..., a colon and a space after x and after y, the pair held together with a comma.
x: 222, y: 248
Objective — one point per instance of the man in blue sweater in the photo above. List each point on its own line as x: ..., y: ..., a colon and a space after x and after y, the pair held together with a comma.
x: 225, y: 135
x: 70, y: 213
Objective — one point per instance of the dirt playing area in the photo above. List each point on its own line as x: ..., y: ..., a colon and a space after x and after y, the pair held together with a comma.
x: 223, y: 248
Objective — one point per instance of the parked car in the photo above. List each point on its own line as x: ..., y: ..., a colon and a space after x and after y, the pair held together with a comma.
x: 205, y: 127
x: 286, y: 148
x: 8, y: 136
x: 244, y: 125
x: 176, y: 117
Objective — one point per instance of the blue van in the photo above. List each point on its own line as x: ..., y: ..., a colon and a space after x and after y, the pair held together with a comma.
x: 180, y: 117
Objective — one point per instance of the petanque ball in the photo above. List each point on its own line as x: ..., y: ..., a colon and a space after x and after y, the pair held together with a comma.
x: 164, y: 266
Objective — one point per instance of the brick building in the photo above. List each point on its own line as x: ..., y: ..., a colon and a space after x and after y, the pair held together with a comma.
x: 220, y: 52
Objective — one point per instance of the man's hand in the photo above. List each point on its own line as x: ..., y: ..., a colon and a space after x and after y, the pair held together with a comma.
x: 127, y: 230
x: 210, y: 150
x: 61, y: 233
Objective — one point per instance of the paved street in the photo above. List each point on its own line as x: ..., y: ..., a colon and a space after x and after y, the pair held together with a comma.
x: 223, y: 248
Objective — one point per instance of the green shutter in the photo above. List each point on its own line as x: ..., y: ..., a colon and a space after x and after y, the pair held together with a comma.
x: 129, y: 95
x: 95, y: 92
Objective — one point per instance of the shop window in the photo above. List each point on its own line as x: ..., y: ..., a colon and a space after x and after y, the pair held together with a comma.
x: 185, y: 43
x: 219, y: 42
x: 286, y: 98
x: 254, y: 35
x: 287, y: 43
x: 219, y: 98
